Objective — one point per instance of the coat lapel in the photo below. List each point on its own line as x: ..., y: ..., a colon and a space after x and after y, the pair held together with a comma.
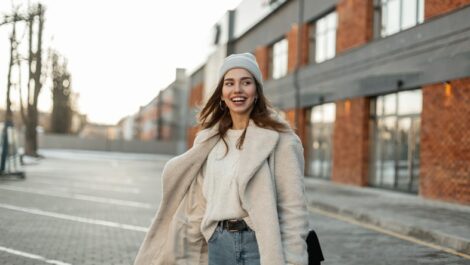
x: 258, y: 145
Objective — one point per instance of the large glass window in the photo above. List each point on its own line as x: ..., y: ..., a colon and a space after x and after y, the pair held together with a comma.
x: 278, y: 60
x: 396, y: 147
x: 398, y: 15
x: 323, y: 38
x: 320, y: 131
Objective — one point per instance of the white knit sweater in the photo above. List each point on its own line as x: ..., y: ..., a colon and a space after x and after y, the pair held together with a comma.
x: 220, y: 184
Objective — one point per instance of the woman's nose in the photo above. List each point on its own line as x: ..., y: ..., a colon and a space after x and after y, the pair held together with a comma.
x: 237, y: 87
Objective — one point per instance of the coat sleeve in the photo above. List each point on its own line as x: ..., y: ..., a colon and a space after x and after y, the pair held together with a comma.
x: 291, y: 202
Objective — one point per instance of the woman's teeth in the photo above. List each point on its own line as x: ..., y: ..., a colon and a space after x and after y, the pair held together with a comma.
x: 238, y: 99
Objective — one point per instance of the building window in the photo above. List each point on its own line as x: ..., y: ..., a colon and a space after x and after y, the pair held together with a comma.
x: 396, y: 146
x: 323, y: 38
x: 320, y: 132
x: 398, y: 15
x: 278, y: 59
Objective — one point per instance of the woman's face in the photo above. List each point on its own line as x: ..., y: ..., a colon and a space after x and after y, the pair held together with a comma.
x: 239, y: 91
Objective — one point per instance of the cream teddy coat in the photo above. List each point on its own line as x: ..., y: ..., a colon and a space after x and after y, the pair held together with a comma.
x: 271, y: 190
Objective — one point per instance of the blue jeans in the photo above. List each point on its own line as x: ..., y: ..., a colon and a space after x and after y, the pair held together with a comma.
x: 233, y: 248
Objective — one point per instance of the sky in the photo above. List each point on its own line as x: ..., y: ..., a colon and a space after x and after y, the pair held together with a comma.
x: 120, y: 53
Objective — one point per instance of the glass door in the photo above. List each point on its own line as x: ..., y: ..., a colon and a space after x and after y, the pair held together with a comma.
x: 396, y: 141
x: 320, y: 144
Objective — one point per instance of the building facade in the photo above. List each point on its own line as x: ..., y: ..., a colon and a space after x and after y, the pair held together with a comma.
x: 164, y: 118
x: 378, y: 90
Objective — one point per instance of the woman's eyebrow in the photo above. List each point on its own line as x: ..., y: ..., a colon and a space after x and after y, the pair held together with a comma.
x: 243, y: 78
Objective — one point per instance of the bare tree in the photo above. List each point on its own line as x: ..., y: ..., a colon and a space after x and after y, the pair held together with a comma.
x: 13, y: 45
x: 61, y: 118
x: 36, y: 15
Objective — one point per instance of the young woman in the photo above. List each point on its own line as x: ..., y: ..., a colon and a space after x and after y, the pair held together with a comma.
x: 237, y: 196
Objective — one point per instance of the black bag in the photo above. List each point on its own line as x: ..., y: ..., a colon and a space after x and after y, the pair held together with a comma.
x: 315, y: 255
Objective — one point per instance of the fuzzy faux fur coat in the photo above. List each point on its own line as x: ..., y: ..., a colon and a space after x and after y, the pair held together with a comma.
x: 271, y: 190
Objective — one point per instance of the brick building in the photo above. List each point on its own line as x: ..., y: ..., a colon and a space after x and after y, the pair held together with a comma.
x: 164, y: 117
x: 378, y: 90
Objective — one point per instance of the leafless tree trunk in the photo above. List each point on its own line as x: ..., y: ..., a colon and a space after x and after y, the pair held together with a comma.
x: 8, y: 113
x: 34, y: 84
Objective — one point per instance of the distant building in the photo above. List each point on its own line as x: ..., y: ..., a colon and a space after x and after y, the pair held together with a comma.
x: 164, y: 118
x: 100, y: 131
x: 128, y: 128
x: 147, y: 121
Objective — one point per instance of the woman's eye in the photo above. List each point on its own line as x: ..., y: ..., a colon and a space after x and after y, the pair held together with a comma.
x: 228, y: 83
x: 246, y: 83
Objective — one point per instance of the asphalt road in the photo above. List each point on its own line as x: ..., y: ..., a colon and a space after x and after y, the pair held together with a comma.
x: 93, y: 208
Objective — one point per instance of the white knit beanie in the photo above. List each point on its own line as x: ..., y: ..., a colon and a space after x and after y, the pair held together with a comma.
x: 241, y: 60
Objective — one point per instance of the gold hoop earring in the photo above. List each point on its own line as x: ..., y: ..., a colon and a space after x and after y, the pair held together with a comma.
x: 221, y: 106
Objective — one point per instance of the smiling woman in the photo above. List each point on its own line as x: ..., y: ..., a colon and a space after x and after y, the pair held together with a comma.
x: 237, y: 196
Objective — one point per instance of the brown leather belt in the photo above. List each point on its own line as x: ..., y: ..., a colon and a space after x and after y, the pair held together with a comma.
x: 234, y: 225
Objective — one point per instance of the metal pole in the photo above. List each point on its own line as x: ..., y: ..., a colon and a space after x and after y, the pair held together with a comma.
x: 298, y: 63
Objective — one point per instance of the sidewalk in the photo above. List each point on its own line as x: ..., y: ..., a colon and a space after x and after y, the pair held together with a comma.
x: 440, y: 223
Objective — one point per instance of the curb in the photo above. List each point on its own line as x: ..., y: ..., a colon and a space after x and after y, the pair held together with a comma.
x: 455, y: 243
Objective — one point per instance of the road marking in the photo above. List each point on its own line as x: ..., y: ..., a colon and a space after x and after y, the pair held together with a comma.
x: 79, y: 197
x: 74, y: 218
x: 69, y: 154
x: 95, y: 179
x: 76, y: 184
x: 387, y: 232
x: 32, y: 256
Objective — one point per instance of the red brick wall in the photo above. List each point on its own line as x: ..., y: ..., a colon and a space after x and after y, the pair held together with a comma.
x: 302, y: 130
x: 355, y: 24
x: 195, y: 100
x: 305, y: 45
x: 292, y: 48
x: 351, y: 142
x: 262, y: 57
x: 290, y: 117
x: 445, y: 142
x: 196, y: 96
x: 434, y: 8
x: 292, y: 39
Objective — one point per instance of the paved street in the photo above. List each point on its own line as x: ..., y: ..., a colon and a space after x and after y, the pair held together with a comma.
x: 93, y: 208
x: 344, y: 243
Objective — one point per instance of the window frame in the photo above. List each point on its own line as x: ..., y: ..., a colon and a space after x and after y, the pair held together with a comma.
x: 319, y: 37
x: 382, y: 16
x: 278, y: 58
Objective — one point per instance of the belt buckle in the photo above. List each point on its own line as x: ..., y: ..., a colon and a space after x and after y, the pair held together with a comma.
x: 229, y: 227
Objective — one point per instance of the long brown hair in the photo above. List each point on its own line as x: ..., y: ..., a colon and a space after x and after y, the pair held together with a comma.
x: 216, y: 111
